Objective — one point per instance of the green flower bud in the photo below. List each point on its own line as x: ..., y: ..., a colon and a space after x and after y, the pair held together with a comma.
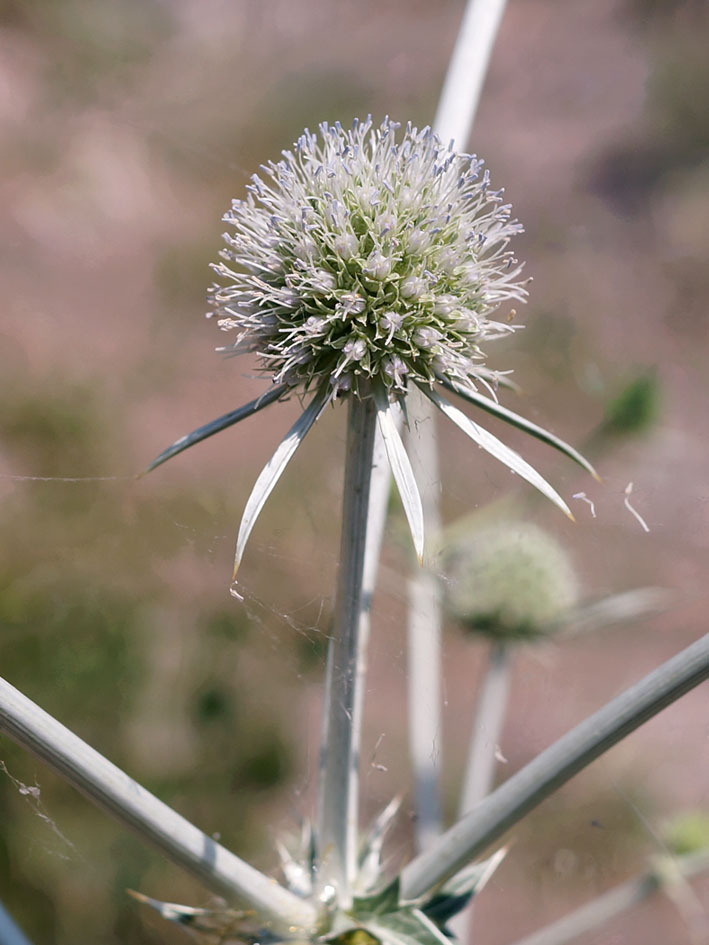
x: 509, y: 580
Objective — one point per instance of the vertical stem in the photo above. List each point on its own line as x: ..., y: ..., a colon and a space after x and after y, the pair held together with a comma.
x: 424, y: 685
x: 378, y: 502
x: 454, y: 118
x: 342, y: 711
x: 424, y: 633
x: 479, y: 776
x: 487, y: 726
x: 467, y: 70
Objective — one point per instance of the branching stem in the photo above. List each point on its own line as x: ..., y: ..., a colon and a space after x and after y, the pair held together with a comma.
x: 10, y: 932
x: 467, y: 70
x: 487, y: 726
x: 456, y: 110
x: 479, y: 778
x: 134, y: 807
x: 616, y: 901
x: 554, y: 767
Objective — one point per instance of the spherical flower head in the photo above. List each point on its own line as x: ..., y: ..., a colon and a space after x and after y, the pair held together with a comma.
x: 362, y: 259
x: 510, y: 581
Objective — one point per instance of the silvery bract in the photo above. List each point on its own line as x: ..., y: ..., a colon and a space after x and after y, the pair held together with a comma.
x: 360, y: 264
x: 377, y: 915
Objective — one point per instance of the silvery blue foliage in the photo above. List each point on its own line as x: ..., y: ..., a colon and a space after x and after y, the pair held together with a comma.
x: 377, y: 915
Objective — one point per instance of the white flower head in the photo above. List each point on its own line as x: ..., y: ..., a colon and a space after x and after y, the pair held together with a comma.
x: 363, y: 229
x: 364, y: 262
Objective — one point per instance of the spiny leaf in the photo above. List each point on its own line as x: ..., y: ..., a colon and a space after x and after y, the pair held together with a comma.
x: 475, y: 877
x: 498, y: 449
x: 221, y: 423
x: 497, y: 410
x: 402, y: 471
x: 455, y: 895
x: 272, y: 471
x: 617, y: 608
x: 406, y: 926
x: 206, y: 921
x: 371, y: 849
x: 384, y: 901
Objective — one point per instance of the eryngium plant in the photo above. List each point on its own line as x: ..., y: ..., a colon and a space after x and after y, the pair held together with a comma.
x: 361, y: 264
x: 358, y: 265
x: 341, y: 902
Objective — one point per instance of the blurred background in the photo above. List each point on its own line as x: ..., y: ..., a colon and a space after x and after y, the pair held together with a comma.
x: 125, y: 130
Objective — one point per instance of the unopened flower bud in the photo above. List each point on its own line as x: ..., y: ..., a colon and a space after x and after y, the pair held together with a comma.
x: 510, y: 580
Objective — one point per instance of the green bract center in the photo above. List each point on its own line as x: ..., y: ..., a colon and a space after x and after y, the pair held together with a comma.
x: 358, y: 257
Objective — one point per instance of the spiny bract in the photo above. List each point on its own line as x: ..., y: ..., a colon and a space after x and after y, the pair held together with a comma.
x: 362, y: 257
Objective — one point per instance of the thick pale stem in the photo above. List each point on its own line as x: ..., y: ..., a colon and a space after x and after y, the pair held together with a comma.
x: 488, y: 721
x: 467, y: 70
x: 487, y: 727
x: 342, y: 713
x: 153, y: 821
x: 424, y: 696
x: 424, y: 632
x: 10, y: 932
x: 615, y: 902
x: 554, y: 767
x: 454, y: 117
x: 378, y: 503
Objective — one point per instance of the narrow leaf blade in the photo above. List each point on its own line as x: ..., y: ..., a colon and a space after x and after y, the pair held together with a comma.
x: 273, y: 469
x: 198, y: 920
x: 497, y: 448
x: 402, y: 471
x: 370, y: 852
x: 521, y: 423
x: 221, y: 423
x: 406, y: 927
x: 473, y: 878
x: 383, y: 902
x: 454, y: 896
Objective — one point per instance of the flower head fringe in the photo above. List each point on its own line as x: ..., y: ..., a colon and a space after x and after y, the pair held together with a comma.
x: 358, y: 257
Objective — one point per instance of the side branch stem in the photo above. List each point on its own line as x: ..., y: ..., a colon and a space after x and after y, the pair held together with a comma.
x: 554, y: 767
x: 10, y: 932
x: 488, y: 720
x: 618, y: 900
x: 135, y: 807
x: 453, y: 121
x: 342, y: 710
